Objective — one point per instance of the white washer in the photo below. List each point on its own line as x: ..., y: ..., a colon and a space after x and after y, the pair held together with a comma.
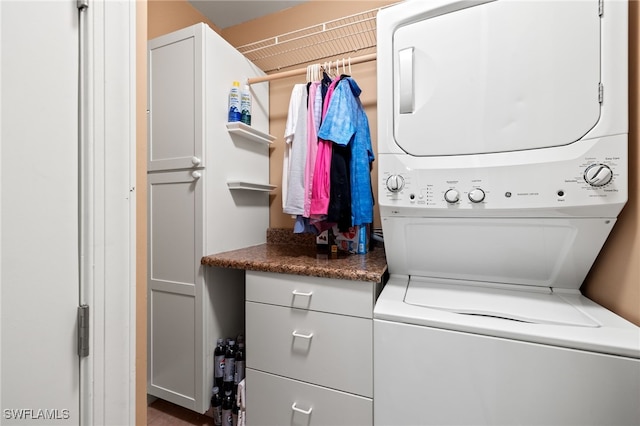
x: 502, y: 151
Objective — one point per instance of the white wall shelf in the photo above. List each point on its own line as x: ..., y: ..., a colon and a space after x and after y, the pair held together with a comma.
x: 250, y: 186
x: 248, y: 132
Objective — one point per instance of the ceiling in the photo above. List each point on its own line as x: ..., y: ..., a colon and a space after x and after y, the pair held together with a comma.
x: 227, y: 13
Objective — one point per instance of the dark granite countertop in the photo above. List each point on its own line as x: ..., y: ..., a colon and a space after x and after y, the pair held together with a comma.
x: 288, y: 253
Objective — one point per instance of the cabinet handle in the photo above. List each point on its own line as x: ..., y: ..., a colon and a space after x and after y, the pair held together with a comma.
x: 196, y: 175
x: 302, y: 336
x: 300, y: 410
x: 300, y: 293
x: 195, y: 161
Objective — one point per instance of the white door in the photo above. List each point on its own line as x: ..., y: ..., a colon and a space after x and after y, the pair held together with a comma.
x: 39, y: 184
x: 43, y: 380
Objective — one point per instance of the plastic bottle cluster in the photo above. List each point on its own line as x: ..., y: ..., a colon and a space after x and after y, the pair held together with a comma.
x: 228, y: 371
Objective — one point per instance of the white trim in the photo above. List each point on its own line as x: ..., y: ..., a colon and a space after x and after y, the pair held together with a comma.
x: 1, y: 195
x: 108, y: 374
x: 132, y: 209
x: 86, y: 207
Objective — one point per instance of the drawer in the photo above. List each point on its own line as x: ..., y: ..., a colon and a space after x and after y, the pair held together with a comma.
x: 278, y: 401
x: 327, y: 349
x: 317, y: 294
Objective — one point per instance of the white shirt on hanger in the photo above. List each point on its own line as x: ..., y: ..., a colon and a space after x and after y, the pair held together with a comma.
x: 298, y: 97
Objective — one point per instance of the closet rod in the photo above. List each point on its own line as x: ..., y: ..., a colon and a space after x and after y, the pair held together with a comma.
x: 299, y: 71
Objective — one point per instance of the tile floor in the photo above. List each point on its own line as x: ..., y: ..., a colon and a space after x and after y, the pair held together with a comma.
x: 163, y: 413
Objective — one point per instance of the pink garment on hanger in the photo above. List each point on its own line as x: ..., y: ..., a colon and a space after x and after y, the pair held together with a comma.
x: 312, y: 148
x: 322, y: 175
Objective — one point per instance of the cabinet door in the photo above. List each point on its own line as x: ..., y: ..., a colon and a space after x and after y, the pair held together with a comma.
x: 176, y: 100
x: 175, y: 286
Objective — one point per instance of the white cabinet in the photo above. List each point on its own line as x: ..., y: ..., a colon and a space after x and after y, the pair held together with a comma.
x: 309, y: 357
x: 194, y: 159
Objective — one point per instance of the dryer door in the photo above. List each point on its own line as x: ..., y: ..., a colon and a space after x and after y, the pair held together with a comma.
x: 500, y: 76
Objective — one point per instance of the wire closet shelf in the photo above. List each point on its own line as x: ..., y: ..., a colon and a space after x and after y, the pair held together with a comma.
x: 353, y: 35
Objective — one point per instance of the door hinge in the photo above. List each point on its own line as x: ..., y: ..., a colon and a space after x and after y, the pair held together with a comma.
x: 600, y: 92
x: 600, y: 7
x: 83, y: 331
x: 82, y: 4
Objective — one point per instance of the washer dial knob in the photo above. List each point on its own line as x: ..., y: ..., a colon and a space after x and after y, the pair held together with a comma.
x: 476, y: 195
x: 598, y: 175
x: 452, y: 196
x: 395, y: 183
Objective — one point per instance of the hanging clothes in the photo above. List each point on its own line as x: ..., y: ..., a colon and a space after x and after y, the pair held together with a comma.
x: 329, y: 163
x: 346, y: 124
x: 339, y: 211
x: 298, y: 100
x: 294, y: 202
x: 314, y: 113
x: 321, y: 189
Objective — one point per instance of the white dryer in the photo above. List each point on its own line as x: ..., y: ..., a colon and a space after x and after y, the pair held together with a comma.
x: 502, y: 149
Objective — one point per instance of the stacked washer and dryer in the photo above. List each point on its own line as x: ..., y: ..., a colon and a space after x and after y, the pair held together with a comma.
x: 502, y: 148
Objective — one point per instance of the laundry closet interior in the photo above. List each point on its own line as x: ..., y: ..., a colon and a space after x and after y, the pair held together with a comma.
x: 613, y: 282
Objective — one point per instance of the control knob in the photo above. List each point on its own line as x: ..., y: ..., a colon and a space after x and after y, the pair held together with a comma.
x: 598, y: 175
x: 395, y: 183
x: 452, y: 196
x: 476, y: 195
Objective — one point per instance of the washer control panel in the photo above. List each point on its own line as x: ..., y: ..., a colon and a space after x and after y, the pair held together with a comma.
x: 592, y: 178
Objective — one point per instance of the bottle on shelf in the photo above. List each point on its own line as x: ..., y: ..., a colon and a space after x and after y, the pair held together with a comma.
x: 234, y: 413
x: 239, y: 366
x: 230, y: 366
x: 245, y: 105
x: 218, y: 363
x: 216, y: 405
x: 234, y: 102
x: 227, y: 408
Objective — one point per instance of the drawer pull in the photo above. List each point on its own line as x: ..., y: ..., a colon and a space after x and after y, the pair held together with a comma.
x: 303, y: 336
x: 300, y: 410
x: 300, y: 293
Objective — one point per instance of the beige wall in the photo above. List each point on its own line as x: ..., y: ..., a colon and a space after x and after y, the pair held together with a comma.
x: 141, y: 213
x: 165, y: 16
x: 615, y: 279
